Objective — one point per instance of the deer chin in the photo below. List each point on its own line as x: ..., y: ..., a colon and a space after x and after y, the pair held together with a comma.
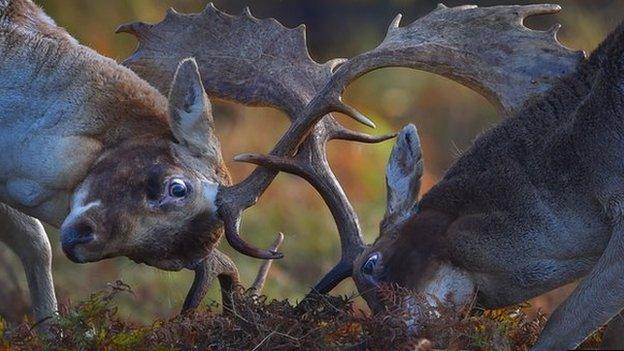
x: 449, y: 290
x: 172, y: 262
x: 85, y: 253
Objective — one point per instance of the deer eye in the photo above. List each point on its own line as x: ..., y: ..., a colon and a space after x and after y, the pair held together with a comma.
x: 368, y: 267
x: 177, y: 188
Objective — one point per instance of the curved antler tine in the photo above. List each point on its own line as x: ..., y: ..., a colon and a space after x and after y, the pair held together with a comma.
x: 396, y: 22
x: 215, y: 265
x: 276, y: 163
x: 219, y: 265
x: 341, y: 107
x: 537, y: 9
x: 351, y: 135
x: 201, y: 283
x: 258, y: 284
x: 340, y: 272
x: 232, y: 234
x: 138, y: 29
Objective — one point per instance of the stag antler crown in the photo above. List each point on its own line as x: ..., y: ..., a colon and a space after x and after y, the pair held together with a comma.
x: 260, y: 62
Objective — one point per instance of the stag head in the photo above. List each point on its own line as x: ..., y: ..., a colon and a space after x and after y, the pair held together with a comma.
x: 405, y: 251
x: 260, y: 62
x: 154, y: 199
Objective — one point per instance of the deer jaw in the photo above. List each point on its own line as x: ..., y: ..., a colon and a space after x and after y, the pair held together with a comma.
x: 440, y: 283
x: 446, y: 287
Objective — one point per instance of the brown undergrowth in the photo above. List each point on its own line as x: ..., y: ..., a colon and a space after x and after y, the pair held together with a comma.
x: 258, y: 323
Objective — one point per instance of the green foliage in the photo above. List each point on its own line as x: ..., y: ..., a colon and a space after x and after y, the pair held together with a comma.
x: 91, y: 325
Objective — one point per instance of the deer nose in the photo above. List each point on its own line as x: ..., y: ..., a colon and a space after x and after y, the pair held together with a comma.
x: 74, y: 235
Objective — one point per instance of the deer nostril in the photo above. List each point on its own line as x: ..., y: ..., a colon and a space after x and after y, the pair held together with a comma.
x: 84, y: 231
x: 77, y: 234
x: 74, y: 235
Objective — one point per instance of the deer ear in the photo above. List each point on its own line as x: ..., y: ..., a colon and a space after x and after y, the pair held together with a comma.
x: 190, y: 113
x: 403, y: 173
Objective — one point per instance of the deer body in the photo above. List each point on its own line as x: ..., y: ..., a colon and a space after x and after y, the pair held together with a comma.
x: 528, y: 214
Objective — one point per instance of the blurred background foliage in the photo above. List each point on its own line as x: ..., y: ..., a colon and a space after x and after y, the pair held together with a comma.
x: 448, y: 116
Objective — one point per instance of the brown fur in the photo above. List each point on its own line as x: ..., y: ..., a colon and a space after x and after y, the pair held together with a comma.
x: 27, y: 15
x: 104, y: 130
x: 413, y: 253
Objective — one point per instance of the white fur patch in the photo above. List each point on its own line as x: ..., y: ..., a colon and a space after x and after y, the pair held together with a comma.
x: 449, y: 284
x: 78, y: 207
x: 210, y: 194
x: 190, y: 120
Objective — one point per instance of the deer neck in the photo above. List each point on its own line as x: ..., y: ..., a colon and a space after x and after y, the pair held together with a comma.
x: 48, y: 78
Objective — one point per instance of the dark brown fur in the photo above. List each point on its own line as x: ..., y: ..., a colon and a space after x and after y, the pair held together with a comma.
x: 534, y: 204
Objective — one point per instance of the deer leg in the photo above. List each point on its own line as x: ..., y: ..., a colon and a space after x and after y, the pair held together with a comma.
x: 597, y: 299
x: 613, y: 338
x: 27, y: 238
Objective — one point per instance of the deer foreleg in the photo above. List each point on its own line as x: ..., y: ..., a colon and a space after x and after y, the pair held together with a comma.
x: 597, y: 299
x: 27, y: 238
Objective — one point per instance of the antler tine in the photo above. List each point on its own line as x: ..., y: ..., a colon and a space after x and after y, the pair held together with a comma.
x: 486, y: 49
x: 339, y: 132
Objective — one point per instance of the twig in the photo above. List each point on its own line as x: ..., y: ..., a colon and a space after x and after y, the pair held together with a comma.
x: 263, y: 340
x: 258, y: 284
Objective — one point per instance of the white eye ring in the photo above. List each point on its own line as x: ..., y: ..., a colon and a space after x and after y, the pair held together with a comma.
x: 178, y: 188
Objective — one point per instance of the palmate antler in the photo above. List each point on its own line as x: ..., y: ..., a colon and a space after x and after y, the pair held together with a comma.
x: 487, y: 49
x: 260, y: 62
